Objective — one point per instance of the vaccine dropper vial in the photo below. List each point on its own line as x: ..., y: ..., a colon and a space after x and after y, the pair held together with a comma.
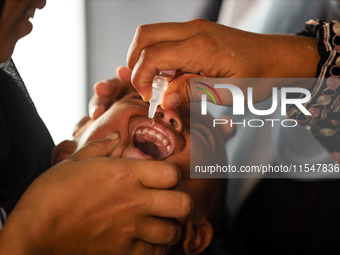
x: 159, y: 85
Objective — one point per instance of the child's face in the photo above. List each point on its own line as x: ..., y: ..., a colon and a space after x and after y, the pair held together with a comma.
x: 140, y: 139
x: 167, y: 139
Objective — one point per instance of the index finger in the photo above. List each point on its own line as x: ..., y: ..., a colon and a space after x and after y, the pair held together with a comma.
x: 151, y: 34
x: 157, y: 174
x: 170, y: 204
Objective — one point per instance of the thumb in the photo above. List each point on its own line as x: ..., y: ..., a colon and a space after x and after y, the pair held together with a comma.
x: 124, y: 74
x: 97, y: 148
x: 178, y: 92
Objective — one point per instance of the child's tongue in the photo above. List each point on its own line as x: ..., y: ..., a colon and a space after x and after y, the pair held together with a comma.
x: 150, y: 145
x: 147, y: 147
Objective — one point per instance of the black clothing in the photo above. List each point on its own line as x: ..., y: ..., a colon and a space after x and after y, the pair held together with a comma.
x: 25, y: 143
x: 2, y: 2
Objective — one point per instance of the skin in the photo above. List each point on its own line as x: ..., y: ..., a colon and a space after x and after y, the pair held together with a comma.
x: 15, y: 23
x: 230, y: 53
x: 110, y: 90
x: 62, y: 198
x: 127, y: 114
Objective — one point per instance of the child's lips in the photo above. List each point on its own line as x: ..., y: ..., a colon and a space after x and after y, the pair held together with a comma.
x: 153, y: 140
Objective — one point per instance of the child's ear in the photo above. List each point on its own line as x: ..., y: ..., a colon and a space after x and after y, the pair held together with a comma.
x: 197, y: 236
x: 62, y: 151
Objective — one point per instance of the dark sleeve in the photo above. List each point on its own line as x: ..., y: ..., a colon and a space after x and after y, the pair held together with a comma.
x: 25, y: 143
x: 324, y: 105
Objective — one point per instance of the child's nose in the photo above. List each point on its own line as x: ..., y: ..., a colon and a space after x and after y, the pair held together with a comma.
x: 170, y: 117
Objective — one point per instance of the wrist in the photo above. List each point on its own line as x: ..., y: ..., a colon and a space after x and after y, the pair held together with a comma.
x: 292, y: 56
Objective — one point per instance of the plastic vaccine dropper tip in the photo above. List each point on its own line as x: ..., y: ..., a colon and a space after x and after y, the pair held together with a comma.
x: 152, y: 110
x: 159, y: 85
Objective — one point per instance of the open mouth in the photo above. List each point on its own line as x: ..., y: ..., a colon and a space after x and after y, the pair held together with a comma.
x: 152, y: 141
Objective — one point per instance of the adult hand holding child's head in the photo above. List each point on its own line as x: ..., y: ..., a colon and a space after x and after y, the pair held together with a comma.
x: 94, y: 203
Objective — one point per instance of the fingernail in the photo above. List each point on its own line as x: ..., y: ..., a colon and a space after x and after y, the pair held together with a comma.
x: 114, y: 136
x: 96, y: 111
x: 171, y: 100
x: 169, y: 72
x: 93, y: 110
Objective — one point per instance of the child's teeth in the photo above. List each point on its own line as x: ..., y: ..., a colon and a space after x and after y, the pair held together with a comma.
x: 159, y: 136
x: 152, y: 132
